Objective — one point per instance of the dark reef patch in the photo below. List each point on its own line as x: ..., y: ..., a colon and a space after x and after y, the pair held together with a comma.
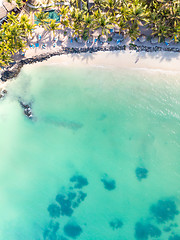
x: 102, y: 117
x: 72, y: 230
x: 116, y: 224
x: 109, y: 183
x: 62, y: 238
x: 144, y: 231
x: 51, y: 232
x: 174, y: 237
x: 65, y: 205
x: 71, y: 195
x: 79, y: 181
x: 54, y: 210
x: 141, y: 173
x: 64, y: 123
x: 167, y: 229
x: 164, y: 210
x: 80, y: 198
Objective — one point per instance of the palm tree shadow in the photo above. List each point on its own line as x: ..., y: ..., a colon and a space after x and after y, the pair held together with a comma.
x: 83, y: 57
x: 161, y: 55
x: 87, y: 57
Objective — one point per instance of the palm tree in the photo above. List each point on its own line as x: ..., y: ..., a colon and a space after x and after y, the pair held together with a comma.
x: 133, y: 31
x: 137, y: 12
x: 64, y: 15
x: 53, y: 26
x: 161, y: 30
x: 111, y: 6
x: 26, y: 26
x: 88, y: 24
x: 103, y: 22
x: 42, y: 18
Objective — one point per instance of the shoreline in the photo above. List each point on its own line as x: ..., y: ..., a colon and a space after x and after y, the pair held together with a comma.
x: 154, y: 53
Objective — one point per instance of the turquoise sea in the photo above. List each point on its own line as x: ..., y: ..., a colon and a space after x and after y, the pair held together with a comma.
x: 100, y: 160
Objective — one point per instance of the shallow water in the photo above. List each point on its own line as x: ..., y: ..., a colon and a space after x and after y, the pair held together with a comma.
x: 100, y: 159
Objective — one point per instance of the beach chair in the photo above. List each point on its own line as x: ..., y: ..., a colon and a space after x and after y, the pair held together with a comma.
x: 31, y: 45
x: 44, y: 45
x: 39, y: 37
x: 54, y: 44
x: 95, y: 40
x: 37, y: 44
x: 118, y: 41
x: 111, y: 30
x: 55, y: 39
x: 71, y: 40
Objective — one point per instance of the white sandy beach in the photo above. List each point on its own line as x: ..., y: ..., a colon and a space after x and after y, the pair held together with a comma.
x: 167, y: 61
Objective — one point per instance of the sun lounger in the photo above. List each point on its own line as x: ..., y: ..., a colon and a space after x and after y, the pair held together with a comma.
x: 118, y: 41
x: 31, y: 45
x: 39, y: 37
x: 44, y: 45
x: 54, y: 44
x: 36, y: 44
x: 55, y: 39
x: 71, y: 40
x: 95, y: 40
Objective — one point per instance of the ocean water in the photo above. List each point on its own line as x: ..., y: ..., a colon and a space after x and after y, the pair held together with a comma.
x: 100, y: 160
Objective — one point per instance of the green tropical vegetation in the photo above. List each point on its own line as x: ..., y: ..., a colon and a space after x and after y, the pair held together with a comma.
x: 161, y: 18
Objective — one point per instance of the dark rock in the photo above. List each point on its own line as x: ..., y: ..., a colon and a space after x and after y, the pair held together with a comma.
x: 109, y: 183
x: 164, y: 210
x: 116, y: 224
x: 144, y: 231
x: 54, y: 210
x: 141, y: 173
x: 27, y: 109
x: 79, y: 181
x: 72, y: 230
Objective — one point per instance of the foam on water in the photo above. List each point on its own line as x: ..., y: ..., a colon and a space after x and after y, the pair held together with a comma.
x: 99, y: 161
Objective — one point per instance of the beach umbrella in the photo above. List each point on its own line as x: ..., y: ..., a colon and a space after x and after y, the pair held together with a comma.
x: 79, y: 40
x: 96, y: 33
x: 154, y: 40
x: 118, y: 37
x: 142, y: 38
x: 103, y: 38
x: 61, y: 38
x: 91, y: 39
x: 168, y: 40
x: 116, y: 29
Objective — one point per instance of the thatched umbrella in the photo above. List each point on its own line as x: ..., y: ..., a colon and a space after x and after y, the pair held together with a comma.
x: 103, y: 38
x: 116, y: 29
x: 61, y: 38
x: 154, y: 40
x: 91, y: 39
x: 168, y: 40
x: 79, y: 40
x: 118, y: 37
x: 96, y: 33
x: 142, y: 38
